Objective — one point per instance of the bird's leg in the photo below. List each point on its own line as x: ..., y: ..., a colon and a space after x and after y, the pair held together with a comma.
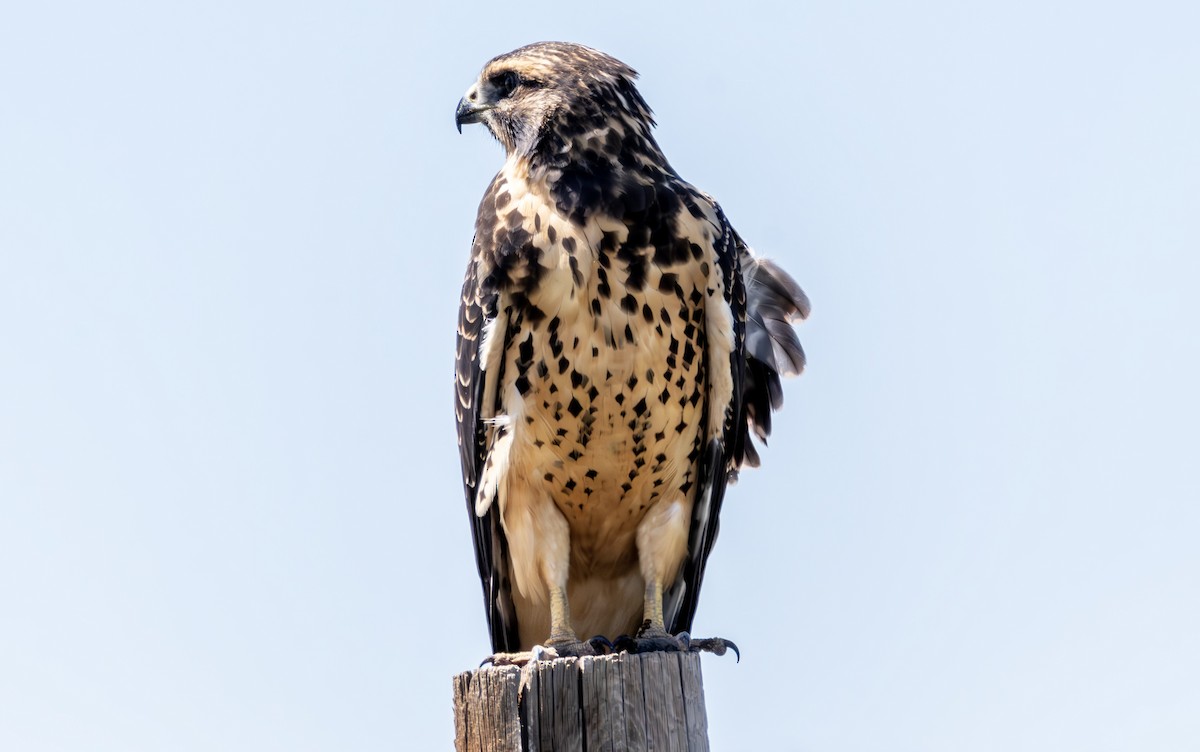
x: 563, y: 640
x: 551, y: 559
x: 561, y: 632
x: 662, y: 545
x: 653, y: 635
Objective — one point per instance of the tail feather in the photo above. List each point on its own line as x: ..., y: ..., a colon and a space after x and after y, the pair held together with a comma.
x: 774, y: 304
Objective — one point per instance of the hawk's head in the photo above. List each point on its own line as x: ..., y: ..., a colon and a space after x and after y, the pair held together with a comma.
x: 551, y: 98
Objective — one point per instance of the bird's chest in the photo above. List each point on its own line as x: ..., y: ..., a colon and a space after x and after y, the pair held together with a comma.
x: 604, y: 378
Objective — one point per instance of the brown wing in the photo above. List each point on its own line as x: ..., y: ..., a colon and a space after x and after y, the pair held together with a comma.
x: 491, y: 548
x: 765, y: 302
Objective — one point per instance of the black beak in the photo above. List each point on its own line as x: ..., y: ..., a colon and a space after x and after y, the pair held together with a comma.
x: 468, y: 113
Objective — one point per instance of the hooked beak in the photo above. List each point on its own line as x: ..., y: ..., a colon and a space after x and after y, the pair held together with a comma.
x: 468, y: 112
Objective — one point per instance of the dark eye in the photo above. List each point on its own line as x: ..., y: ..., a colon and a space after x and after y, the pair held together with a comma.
x: 506, y: 82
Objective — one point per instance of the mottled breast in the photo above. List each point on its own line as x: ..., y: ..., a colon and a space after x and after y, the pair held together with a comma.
x: 604, y: 373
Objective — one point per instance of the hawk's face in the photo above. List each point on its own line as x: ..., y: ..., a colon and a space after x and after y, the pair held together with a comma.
x: 522, y: 95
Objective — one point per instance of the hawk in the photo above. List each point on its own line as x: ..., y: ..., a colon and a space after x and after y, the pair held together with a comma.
x: 618, y: 344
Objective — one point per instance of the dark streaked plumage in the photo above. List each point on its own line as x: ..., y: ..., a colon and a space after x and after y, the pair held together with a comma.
x: 617, y: 344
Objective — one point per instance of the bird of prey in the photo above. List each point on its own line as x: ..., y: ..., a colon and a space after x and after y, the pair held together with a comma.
x: 618, y: 344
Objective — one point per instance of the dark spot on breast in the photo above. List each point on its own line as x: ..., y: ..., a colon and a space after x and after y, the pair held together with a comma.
x: 525, y: 353
x: 569, y: 245
x: 574, y: 407
x: 552, y: 234
x: 629, y: 304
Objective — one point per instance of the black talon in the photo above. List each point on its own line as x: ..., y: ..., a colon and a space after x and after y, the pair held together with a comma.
x: 737, y: 654
x: 716, y: 646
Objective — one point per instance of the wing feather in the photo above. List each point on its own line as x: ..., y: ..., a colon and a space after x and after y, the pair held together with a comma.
x: 765, y: 303
x: 682, y: 597
x: 491, y: 548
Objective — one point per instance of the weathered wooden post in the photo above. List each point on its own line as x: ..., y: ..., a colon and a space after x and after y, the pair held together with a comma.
x: 611, y: 703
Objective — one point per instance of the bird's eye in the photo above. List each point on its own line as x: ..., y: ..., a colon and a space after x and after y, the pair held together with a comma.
x: 506, y: 82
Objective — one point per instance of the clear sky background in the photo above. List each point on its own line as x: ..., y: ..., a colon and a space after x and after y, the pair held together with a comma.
x: 231, y: 243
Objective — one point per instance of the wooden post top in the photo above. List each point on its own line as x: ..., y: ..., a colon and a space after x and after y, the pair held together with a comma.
x: 611, y: 703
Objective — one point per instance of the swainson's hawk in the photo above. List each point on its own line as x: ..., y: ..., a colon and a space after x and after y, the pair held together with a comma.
x: 618, y: 343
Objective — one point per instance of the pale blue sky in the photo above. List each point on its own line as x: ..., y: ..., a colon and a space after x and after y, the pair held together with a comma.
x: 231, y: 242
